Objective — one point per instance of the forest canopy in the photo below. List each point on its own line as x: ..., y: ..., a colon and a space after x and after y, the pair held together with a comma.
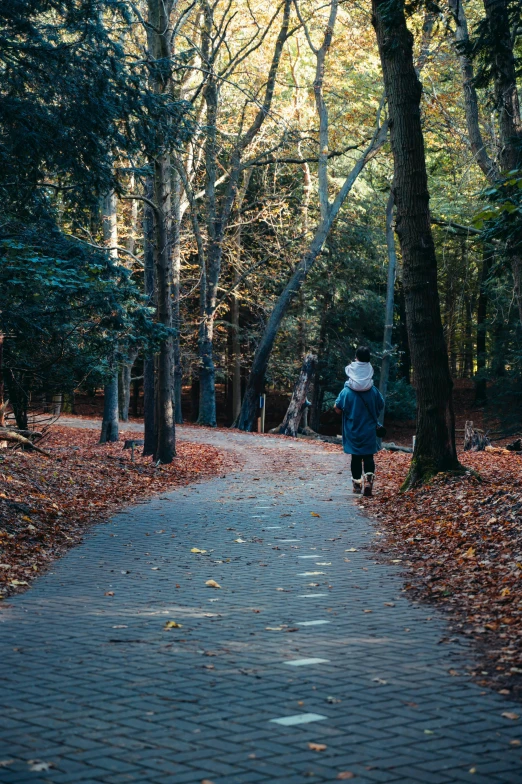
x: 206, y: 192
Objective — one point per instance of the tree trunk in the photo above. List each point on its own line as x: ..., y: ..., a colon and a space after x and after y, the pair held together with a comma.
x: 176, y: 272
x: 126, y: 377
x: 133, y: 228
x: 387, y: 347
x: 56, y: 405
x: 435, y: 439
x: 236, y: 358
x: 508, y: 106
x: 482, y: 314
x: 135, y: 397
x: 290, y: 424
x: 207, y: 373
x: 468, y: 341
x: 2, y: 398
x: 264, y: 348
x: 404, y: 346
x: 478, y: 148
x: 234, y: 306
x: 110, y: 428
x: 148, y: 360
x: 160, y: 35
x: 194, y: 398
x: 18, y: 399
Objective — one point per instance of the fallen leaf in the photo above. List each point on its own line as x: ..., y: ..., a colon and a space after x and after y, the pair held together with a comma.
x: 172, y: 625
x: 6, y: 762
x: 351, y: 550
x: 212, y: 584
x: 274, y: 628
x: 314, y: 514
x: 36, y: 766
x: 240, y: 541
x: 510, y: 715
x: 515, y: 742
x: 317, y: 746
x: 109, y: 593
x: 197, y: 550
x: 345, y: 775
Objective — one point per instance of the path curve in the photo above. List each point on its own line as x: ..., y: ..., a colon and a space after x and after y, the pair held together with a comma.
x: 308, y: 641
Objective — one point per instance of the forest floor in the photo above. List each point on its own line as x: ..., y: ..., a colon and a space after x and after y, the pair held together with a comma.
x: 460, y: 542
x: 47, y: 504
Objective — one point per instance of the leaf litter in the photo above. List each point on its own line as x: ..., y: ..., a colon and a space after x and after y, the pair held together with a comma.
x: 459, y: 540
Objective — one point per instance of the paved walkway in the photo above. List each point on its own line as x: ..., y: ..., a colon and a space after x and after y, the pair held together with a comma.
x: 308, y: 641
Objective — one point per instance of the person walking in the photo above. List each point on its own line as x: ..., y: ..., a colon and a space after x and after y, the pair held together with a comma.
x: 360, y: 404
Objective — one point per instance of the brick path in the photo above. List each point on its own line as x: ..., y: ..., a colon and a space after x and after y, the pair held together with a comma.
x: 94, y: 686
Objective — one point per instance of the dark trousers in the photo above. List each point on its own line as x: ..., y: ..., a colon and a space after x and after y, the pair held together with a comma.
x: 357, y: 464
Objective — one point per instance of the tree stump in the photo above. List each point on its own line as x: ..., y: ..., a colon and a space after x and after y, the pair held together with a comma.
x: 475, y: 440
x: 290, y: 424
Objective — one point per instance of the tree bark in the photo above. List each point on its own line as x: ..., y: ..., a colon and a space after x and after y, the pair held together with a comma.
x: 435, y: 442
x: 404, y: 346
x: 482, y: 314
x: 160, y: 33
x: 236, y: 358
x: 387, y: 347
x: 467, y: 369
x: 110, y: 427
x: 148, y: 361
x: 126, y: 380
x: 176, y: 273
x: 290, y: 424
x: 56, y: 404
x: 461, y: 35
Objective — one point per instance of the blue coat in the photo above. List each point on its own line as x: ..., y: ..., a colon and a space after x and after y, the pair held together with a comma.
x: 359, y: 437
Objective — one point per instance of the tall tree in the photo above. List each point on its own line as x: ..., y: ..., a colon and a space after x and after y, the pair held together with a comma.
x: 110, y: 424
x: 160, y: 34
x: 435, y: 443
